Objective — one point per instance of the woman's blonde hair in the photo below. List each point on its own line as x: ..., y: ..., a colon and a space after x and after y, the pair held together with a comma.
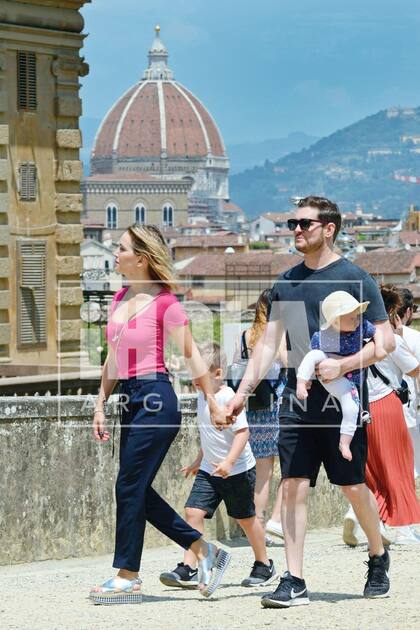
x: 148, y: 241
x: 261, y: 315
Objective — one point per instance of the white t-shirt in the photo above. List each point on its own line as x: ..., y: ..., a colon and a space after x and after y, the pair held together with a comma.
x: 394, y: 367
x: 412, y: 339
x: 217, y: 444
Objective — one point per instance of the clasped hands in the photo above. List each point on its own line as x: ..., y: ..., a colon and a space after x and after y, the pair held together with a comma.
x: 223, y: 417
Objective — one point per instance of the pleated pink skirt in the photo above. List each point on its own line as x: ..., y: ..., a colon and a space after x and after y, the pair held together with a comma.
x: 390, y: 463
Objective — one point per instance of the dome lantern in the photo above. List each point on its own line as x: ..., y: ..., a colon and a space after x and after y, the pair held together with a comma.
x: 158, y: 60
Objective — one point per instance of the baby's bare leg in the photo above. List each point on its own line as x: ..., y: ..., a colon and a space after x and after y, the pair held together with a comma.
x: 346, y: 393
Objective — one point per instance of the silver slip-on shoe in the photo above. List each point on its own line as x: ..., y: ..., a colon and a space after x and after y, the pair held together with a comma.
x: 211, y: 569
x: 117, y: 590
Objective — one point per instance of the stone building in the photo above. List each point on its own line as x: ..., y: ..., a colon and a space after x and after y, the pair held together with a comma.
x: 157, y: 154
x: 413, y: 219
x: 114, y: 201
x: 213, y: 279
x: 40, y: 172
x: 183, y: 247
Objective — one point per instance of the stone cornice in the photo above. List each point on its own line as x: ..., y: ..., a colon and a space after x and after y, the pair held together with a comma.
x: 46, y: 14
x: 37, y: 37
x: 62, y: 4
x: 135, y: 187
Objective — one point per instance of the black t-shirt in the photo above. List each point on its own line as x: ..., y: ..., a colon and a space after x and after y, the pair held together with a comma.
x: 297, y: 295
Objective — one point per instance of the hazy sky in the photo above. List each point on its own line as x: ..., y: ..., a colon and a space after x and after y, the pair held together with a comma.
x: 263, y: 68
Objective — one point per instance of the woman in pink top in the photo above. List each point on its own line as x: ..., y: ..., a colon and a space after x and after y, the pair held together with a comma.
x: 143, y: 314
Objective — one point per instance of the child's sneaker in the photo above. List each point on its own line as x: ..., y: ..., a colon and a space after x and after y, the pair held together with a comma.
x: 261, y: 574
x: 183, y: 576
x: 290, y: 592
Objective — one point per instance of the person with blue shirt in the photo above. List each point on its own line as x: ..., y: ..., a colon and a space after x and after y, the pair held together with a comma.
x: 342, y: 333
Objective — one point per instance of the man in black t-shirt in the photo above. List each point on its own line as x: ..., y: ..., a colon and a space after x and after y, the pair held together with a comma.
x: 310, y: 429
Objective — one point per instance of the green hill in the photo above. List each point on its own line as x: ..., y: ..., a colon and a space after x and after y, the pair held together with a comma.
x: 355, y: 165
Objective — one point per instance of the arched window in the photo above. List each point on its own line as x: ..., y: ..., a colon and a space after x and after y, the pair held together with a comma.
x: 140, y: 214
x: 111, y: 217
x: 168, y: 215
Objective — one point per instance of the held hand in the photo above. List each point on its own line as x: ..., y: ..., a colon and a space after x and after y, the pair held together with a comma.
x: 98, y: 426
x: 328, y: 370
x: 192, y: 469
x: 222, y: 469
x: 218, y: 416
x: 235, y: 406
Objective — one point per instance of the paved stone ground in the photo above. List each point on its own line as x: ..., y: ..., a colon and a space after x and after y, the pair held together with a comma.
x: 53, y: 594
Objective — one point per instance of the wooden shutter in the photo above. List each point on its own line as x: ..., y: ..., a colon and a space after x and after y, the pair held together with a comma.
x: 32, y: 292
x: 26, y: 80
x: 27, y: 181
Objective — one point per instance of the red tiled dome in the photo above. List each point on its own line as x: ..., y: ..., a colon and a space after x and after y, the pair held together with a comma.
x: 158, y: 118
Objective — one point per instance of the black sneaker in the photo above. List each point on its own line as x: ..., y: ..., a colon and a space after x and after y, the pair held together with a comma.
x: 290, y: 592
x: 261, y: 574
x: 377, y: 584
x: 183, y: 576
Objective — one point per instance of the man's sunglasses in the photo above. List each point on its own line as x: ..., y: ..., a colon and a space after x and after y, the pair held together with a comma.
x: 304, y: 224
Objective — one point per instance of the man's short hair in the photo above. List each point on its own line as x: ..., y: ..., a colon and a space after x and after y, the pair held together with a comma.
x: 213, y: 356
x: 328, y: 211
x: 407, y: 299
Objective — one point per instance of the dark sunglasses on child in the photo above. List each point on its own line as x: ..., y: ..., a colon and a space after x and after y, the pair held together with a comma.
x: 304, y: 224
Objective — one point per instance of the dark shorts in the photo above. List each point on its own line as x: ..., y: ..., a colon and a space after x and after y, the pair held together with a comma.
x: 236, y: 492
x: 303, y: 448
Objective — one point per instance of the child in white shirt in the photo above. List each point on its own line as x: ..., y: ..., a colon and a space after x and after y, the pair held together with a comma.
x: 225, y: 471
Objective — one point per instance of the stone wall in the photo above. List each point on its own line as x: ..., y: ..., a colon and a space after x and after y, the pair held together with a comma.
x: 57, y: 483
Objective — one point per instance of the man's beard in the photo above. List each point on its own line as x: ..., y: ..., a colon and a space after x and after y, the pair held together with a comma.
x: 306, y: 247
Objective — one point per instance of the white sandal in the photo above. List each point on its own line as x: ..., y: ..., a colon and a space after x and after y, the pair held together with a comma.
x: 117, y: 590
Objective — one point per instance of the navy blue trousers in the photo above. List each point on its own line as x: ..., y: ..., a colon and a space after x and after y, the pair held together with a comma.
x: 150, y: 422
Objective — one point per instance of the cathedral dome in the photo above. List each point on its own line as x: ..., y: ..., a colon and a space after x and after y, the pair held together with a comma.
x: 157, y: 119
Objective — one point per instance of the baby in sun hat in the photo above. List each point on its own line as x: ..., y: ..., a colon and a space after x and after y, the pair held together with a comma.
x: 342, y: 333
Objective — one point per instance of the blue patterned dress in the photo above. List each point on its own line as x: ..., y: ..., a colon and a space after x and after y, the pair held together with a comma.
x: 264, y: 427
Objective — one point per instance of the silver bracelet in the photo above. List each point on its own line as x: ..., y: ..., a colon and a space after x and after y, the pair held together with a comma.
x: 104, y: 407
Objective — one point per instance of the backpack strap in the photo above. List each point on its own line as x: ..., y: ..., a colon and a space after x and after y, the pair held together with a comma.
x: 377, y: 373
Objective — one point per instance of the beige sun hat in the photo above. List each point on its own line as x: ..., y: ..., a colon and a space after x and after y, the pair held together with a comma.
x: 340, y: 303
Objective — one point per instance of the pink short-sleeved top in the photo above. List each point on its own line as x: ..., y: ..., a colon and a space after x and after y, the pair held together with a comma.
x: 139, y: 344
